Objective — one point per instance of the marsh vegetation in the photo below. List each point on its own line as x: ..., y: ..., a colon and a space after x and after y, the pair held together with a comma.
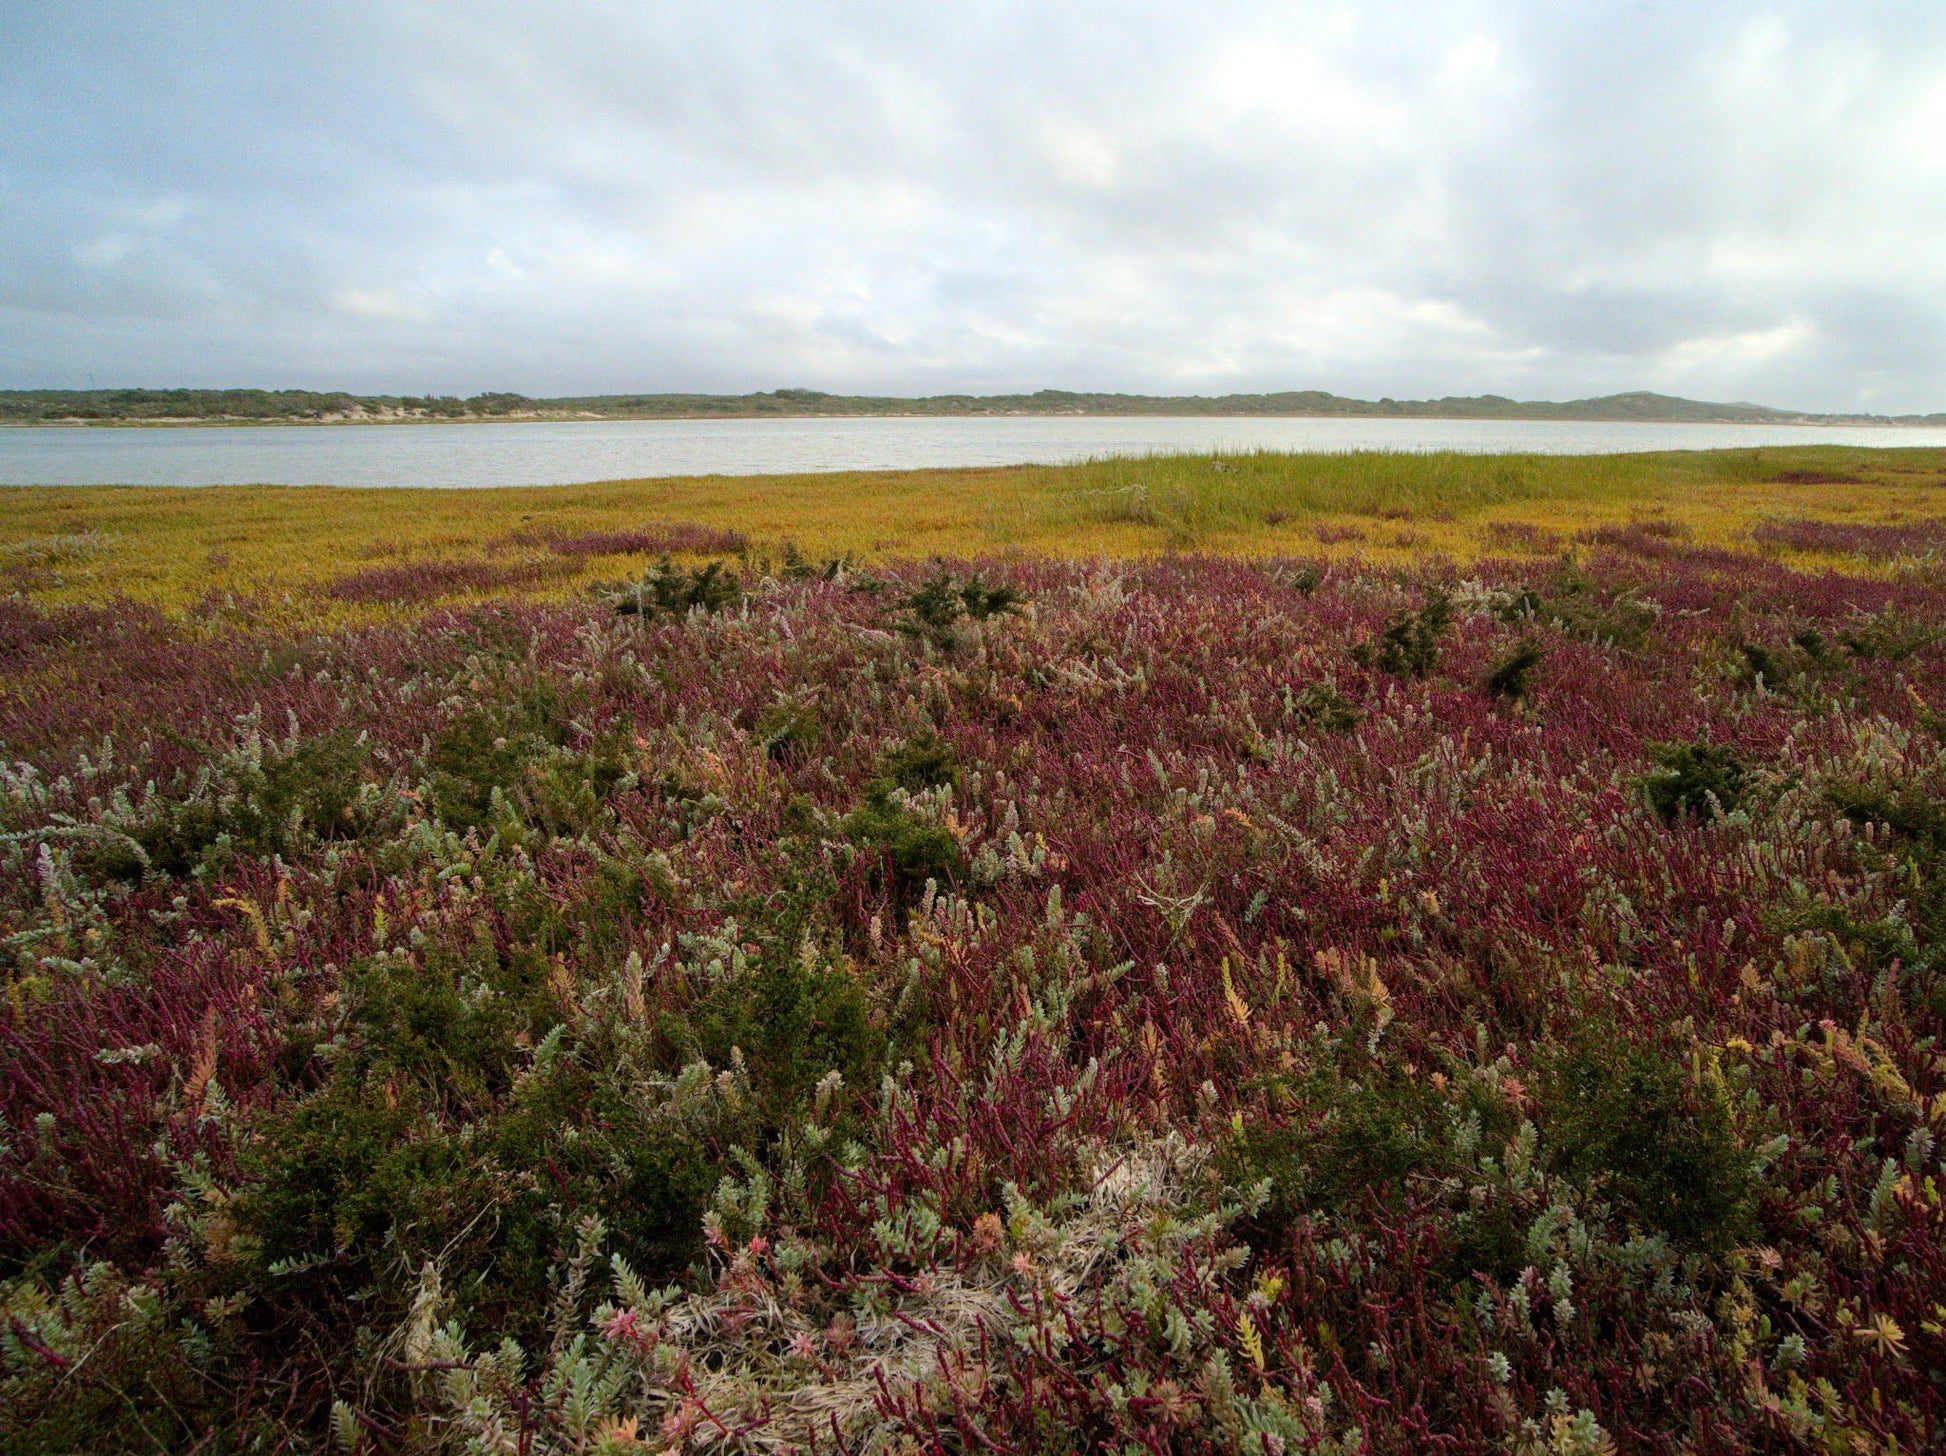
x: 710, y: 996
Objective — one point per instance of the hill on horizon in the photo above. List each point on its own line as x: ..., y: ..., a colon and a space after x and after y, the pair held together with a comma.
x: 294, y: 406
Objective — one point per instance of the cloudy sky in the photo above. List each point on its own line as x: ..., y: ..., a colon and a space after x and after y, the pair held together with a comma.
x: 1546, y: 199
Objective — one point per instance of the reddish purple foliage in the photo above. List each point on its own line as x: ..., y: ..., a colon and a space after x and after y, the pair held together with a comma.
x: 1874, y: 542
x: 1146, y: 741
x: 427, y: 581
x: 676, y: 538
x: 1656, y: 539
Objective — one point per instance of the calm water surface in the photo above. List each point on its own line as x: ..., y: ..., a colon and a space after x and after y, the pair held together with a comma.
x: 558, y: 454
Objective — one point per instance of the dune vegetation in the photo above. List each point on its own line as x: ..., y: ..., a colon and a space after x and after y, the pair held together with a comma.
x: 1265, y: 954
x: 185, y: 549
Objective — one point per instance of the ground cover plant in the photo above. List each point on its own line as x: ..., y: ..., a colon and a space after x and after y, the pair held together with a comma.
x: 1178, y: 1005
x: 315, y: 556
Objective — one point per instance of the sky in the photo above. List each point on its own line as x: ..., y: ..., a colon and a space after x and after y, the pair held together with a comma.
x: 1549, y: 200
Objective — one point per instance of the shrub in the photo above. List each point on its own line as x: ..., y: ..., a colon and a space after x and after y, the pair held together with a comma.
x: 1760, y: 665
x: 1304, y: 578
x: 788, y: 729
x: 1408, y: 644
x: 1915, y: 815
x: 1321, y: 705
x: 1572, y: 602
x: 482, y: 756
x: 96, y: 1363
x: 1507, y: 678
x: 465, y: 1122
x: 795, y: 566
x: 924, y: 761
x: 1352, y: 1138
x: 1887, y: 636
x: 910, y: 849
x: 792, y: 1019
x: 1696, y: 778
x: 677, y: 590
x: 262, y: 799
x: 934, y: 609
x: 500, y: 770
x: 1629, y: 1124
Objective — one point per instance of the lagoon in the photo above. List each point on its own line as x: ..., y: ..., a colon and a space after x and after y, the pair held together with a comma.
x: 555, y: 453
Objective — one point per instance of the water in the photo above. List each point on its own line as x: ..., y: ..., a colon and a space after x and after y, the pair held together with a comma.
x: 463, y: 455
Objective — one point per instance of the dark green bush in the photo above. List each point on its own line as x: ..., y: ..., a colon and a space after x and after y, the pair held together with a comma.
x: 1876, y: 943
x: 796, y: 566
x: 132, y: 1379
x: 1760, y: 665
x: 462, y: 1122
x: 1573, y: 603
x: 788, y: 730
x: 1523, y: 604
x: 1910, y: 811
x: 1703, y: 778
x: 1507, y: 678
x: 912, y: 850
x: 1408, y: 644
x: 445, y: 1039
x: 792, y: 1022
x: 675, y: 591
x: 1630, y: 1126
x: 332, y: 1177
x: 359, y: 1184
x: 924, y: 761
x: 568, y: 793
x: 932, y: 611
x: 518, y: 757
x: 576, y: 1140
x: 486, y: 750
x: 282, y: 802
x: 1349, y: 1139
x: 1304, y: 580
x: 457, y: 1023
x: 1916, y: 816
x: 1321, y: 705
x: 1886, y: 636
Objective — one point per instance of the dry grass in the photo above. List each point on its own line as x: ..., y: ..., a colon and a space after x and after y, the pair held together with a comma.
x: 180, y: 547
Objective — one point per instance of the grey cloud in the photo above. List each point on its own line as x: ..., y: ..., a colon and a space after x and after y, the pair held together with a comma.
x: 1733, y: 200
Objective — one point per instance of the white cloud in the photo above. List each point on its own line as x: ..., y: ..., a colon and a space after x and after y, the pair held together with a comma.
x: 1923, y: 137
x: 1730, y: 356
x: 1080, y: 157
x: 105, y: 251
x: 1389, y: 197
x: 379, y: 305
x: 1318, y: 102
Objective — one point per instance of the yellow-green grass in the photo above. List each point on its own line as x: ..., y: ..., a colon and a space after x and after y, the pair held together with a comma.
x: 176, y: 547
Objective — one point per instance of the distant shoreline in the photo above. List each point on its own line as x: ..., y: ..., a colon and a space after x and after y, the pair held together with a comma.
x: 186, y: 408
x: 1808, y: 422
